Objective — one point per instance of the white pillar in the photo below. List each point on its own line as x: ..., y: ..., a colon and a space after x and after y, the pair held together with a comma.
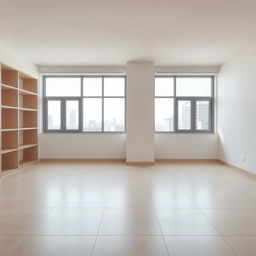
x: 140, y: 146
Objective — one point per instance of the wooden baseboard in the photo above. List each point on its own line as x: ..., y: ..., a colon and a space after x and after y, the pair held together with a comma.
x: 140, y: 163
x: 186, y: 160
x: 251, y: 174
x: 82, y: 160
x: 117, y: 160
x: 93, y: 160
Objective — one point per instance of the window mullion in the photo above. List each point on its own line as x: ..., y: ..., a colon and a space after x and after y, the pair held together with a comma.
x: 176, y: 114
x: 102, y: 106
x: 193, y: 115
x: 175, y: 120
x: 45, y: 114
x: 211, y: 116
x: 63, y: 115
x: 81, y: 116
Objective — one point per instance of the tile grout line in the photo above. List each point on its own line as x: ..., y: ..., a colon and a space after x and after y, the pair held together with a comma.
x: 219, y: 235
x: 158, y: 221
x: 103, y: 213
x: 231, y: 248
x: 26, y: 236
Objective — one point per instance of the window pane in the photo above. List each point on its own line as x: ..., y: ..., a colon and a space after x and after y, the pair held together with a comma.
x: 54, y: 115
x: 63, y: 86
x: 72, y: 115
x: 164, y: 118
x: 114, y: 86
x: 199, y: 86
x: 202, y: 115
x: 184, y: 115
x: 92, y: 111
x: 92, y: 86
x: 164, y: 86
x: 114, y: 115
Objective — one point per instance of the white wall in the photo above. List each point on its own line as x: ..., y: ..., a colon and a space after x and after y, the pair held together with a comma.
x: 140, y: 112
x: 17, y: 61
x: 122, y: 69
x: 90, y: 146
x: 237, y: 111
x: 113, y: 146
x: 82, y: 69
x: 186, y: 146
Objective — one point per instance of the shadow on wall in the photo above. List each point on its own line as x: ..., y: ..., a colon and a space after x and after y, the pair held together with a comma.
x: 220, y: 145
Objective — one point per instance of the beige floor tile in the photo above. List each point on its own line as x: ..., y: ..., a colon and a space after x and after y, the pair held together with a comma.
x: 197, y: 246
x: 8, y: 244
x: 242, y: 245
x: 80, y: 191
x: 130, y: 198
x: 223, y: 197
x: 28, y: 202
x: 184, y: 222
x: 71, y: 221
x: 232, y: 221
x: 149, y: 198
x: 171, y: 198
x: 130, y: 246
x: 84, y: 198
x: 21, y: 221
x: 129, y: 222
x: 56, y: 245
x: 139, y: 179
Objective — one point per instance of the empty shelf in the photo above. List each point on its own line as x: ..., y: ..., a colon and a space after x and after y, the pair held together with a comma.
x: 25, y: 92
x: 27, y: 128
x: 9, y: 107
x: 8, y: 87
x: 5, y: 151
x: 9, y: 130
x: 26, y: 146
x: 28, y: 109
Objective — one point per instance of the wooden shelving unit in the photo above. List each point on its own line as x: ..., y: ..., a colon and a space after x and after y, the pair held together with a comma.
x: 19, y: 120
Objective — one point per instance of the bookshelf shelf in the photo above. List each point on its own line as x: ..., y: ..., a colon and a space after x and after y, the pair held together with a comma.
x: 24, y: 146
x: 5, y: 151
x: 8, y: 87
x: 19, y: 110
x: 25, y: 92
x: 27, y: 128
x: 28, y: 109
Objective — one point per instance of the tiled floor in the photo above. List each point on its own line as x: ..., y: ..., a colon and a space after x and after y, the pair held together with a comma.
x: 111, y: 209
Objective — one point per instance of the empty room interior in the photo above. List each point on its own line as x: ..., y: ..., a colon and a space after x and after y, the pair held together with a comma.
x: 128, y: 128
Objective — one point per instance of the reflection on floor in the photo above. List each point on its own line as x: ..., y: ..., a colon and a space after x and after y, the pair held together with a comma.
x: 108, y: 209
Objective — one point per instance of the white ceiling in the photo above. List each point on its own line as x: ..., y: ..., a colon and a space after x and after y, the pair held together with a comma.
x: 112, y: 32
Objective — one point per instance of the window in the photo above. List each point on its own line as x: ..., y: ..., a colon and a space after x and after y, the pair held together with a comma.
x: 84, y: 103
x: 62, y: 87
x: 184, y: 103
x: 53, y: 114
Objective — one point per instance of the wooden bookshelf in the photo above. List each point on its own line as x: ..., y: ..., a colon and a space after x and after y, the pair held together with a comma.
x: 19, y: 120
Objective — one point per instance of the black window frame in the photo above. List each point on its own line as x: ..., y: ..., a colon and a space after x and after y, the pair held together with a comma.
x: 80, y: 98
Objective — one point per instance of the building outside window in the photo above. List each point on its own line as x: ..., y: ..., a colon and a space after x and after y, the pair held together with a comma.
x: 184, y: 104
x: 84, y: 103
